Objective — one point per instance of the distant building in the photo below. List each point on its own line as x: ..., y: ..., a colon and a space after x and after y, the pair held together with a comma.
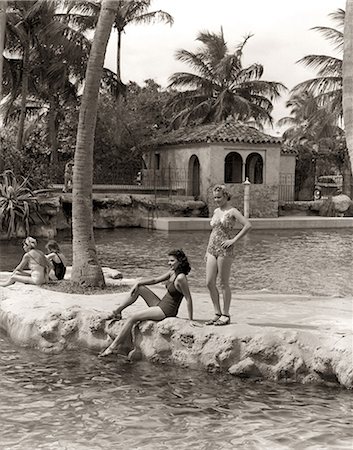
x: 192, y: 160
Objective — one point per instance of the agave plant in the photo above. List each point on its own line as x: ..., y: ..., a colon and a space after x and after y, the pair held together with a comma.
x: 17, y: 201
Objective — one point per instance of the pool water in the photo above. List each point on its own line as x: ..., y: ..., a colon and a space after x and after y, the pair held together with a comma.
x: 308, y: 262
x: 76, y: 401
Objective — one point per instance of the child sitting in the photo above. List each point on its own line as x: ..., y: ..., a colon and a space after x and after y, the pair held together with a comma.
x: 57, y: 259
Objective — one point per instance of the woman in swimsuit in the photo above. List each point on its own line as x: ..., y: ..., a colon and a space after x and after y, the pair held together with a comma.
x: 177, y: 288
x: 221, y: 251
x: 57, y: 259
x: 37, y: 263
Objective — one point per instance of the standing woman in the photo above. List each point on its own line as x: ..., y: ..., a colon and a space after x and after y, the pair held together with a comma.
x: 158, y: 309
x: 36, y: 262
x: 221, y: 251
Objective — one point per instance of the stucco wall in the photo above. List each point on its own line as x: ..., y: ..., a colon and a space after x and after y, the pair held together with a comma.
x: 263, y: 199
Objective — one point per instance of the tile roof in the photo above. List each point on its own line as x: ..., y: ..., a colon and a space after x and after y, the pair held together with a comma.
x: 231, y: 132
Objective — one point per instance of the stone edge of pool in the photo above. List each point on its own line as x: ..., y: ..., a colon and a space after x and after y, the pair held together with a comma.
x: 283, y: 338
x: 276, y: 223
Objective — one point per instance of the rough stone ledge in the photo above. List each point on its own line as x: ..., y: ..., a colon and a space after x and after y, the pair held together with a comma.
x: 280, y: 338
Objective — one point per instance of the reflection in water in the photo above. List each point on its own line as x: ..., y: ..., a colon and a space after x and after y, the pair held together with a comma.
x: 309, y: 262
x: 77, y: 401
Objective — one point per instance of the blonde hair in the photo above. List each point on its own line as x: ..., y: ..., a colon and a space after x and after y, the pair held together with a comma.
x: 31, y: 242
x: 221, y: 188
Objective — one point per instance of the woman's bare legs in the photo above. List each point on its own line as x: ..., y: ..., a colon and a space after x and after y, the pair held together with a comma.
x: 150, y: 298
x: 211, y: 282
x: 224, y: 266
x: 152, y: 313
x: 27, y: 279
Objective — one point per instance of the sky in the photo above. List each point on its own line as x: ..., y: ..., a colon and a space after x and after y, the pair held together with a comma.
x: 281, y: 30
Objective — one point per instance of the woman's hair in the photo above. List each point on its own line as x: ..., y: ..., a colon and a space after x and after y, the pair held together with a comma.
x: 220, y: 188
x: 184, y: 266
x: 53, y: 246
x: 31, y: 242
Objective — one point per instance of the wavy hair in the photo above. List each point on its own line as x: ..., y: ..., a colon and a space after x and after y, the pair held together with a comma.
x: 221, y: 188
x: 184, y: 266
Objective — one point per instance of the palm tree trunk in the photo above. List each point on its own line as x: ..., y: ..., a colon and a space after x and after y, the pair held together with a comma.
x: 86, y: 269
x: 52, y: 135
x: 119, y: 128
x: 24, y: 92
x: 348, y: 81
x: 3, y: 5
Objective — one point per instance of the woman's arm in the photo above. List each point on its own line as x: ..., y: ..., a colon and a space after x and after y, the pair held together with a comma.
x: 22, y: 265
x: 245, y: 229
x: 149, y: 281
x: 181, y: 283
x: 50, y: 256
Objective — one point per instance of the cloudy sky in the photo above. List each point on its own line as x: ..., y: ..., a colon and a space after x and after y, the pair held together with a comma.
x: 281, y: 30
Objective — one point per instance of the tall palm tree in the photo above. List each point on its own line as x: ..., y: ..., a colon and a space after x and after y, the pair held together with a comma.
x: 348, y: 79
x: 53, y: 56
x: 221, y: 86
x: 327, y: 85
x: 3, y: 6
x: 86, y: 269
x: 127, y: 12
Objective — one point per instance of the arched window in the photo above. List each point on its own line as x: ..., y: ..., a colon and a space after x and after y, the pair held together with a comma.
x: 233, y: 166
x: 254, y: 168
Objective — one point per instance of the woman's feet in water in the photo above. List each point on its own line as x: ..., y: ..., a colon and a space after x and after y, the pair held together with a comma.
x: 108, y: 351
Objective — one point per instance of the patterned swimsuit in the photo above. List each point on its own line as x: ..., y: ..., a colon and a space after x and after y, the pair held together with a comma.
x: 222, y: 230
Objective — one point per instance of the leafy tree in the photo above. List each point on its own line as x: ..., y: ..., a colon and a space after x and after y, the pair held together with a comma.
x: 53, y: 58
x: 327, y: 85
x: 221, y: 86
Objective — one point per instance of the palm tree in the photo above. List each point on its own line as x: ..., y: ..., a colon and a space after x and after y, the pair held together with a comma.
x: 3, y: 6
x: 221, y: 86
x: 53, y: 57
x: 327, y: 85
x: 348, y: 79
x: 86, y: 269
x: 127, y: 12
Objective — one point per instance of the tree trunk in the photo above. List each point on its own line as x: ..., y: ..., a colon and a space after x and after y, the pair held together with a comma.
x: 119, y: 99
x: 24, y: 92
x: 52, y: 135
x: 348, y: 80
x: 86, y: 269
x: 3, y: 5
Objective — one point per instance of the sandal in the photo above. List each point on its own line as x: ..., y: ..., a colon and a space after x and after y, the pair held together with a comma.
x: 214, y: 320
x: 223, y: 320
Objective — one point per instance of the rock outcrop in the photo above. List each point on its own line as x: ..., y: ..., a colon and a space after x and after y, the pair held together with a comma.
x: 279, y: 338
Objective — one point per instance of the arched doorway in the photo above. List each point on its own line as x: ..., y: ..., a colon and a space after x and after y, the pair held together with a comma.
x: 194, y: 176
x: 254, y: 168
x: 233, y: 168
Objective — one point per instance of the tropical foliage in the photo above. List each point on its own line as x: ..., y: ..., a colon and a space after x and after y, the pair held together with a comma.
x: 327, y: 85
x: 17, y: 203
x: 220, y: 85
x: 44, y: 67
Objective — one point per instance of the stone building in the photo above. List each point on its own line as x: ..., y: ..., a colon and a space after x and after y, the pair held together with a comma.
x: 192, y: 160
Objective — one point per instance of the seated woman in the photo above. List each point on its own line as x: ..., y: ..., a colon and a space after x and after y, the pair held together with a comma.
x: 36, y: 262
x: 177, y: 288
x: 56, y: 257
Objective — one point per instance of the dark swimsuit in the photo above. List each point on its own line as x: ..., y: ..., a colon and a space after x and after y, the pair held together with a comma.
x: 59, y: 268
x: 171, y: 301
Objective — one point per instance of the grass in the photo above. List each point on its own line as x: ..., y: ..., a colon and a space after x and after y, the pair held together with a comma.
x: 68, y: 287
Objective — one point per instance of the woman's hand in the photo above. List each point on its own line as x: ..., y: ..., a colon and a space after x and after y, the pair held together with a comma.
x: 227, y: 244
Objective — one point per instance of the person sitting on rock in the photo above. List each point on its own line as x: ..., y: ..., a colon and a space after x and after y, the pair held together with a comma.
x: 36, y: 262
x: 57, y: 259
x: 177, y: 288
